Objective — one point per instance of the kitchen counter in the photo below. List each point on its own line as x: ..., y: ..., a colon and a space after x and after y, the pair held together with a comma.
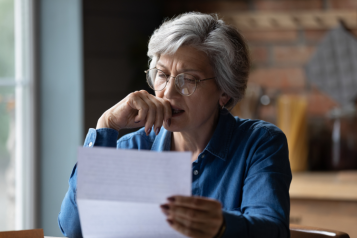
x: 325, y: 199
x: 325, y: 185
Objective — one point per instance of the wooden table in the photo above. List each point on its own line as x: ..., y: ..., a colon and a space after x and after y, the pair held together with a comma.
x: 326, y: 200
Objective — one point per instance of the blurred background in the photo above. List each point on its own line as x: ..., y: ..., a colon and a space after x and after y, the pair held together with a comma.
x: 64, y: 62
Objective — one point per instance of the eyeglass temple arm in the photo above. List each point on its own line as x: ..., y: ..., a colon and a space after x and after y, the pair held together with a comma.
x: 146, y: 71
x: 199, y: 80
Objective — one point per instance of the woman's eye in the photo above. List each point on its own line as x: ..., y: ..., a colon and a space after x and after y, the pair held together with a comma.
x: 188, y: 80
x: 162, y: 75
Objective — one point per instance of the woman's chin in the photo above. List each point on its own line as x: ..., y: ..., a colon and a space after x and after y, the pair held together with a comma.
x: 172, y: 127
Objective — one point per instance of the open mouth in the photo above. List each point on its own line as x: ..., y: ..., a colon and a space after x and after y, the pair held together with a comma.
x: 176, y: 112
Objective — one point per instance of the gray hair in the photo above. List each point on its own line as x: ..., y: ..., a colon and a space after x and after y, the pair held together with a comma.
x: 223, y: 44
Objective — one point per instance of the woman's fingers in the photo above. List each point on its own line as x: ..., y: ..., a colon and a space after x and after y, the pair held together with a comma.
x: 194, y: 216
x: 199, y: 203
x: 152, y: 110
x: 150, y: 115
x: 188, y: 213
x: 199, y: 226
x: 145, y: 109
x: 197, y: 216
x: 137, y: 103
x: 138, y: 109
x: 167, y: 109
x: 164, y: 112
x: 203, y: 229
x: 186, y: 230
x: 159, y: 113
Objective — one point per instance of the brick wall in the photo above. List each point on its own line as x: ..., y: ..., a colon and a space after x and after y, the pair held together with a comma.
x: 278, y: 56
x: 278, y: 59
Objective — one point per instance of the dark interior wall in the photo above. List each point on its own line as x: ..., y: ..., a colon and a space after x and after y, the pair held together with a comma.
x: 115, y: 37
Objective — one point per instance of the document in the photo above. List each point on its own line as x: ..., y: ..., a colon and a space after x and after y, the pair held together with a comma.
x: 119, y: 192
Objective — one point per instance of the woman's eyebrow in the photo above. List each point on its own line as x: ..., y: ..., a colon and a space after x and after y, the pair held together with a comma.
x: 191, y: 70
x: 182, y: 70
x: 159, y: 64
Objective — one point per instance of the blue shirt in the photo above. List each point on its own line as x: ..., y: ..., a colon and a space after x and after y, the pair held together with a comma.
x: 245, y: 166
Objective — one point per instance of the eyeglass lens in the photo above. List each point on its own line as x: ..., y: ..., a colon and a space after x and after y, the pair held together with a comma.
x: 157, y: 80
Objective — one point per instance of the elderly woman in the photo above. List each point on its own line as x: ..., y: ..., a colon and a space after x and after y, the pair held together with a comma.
x: 241, y: 173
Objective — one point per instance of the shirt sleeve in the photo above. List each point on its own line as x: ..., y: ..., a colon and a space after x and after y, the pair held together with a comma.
x: 105, y: 137
x: 265, y: 207
x: 68, y: 218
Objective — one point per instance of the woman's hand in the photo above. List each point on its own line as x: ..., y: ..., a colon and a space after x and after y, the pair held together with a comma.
x: 137, y: 109
x: 194, y: 216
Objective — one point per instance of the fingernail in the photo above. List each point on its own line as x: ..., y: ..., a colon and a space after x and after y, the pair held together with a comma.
x: 157, y: 130
x: 136, y: 121
x: 171, y: 199
x: 170, y: 221
x: 165, y: 207
x: 165, y: 212
x: 168, y: 121
x: 149, y: 130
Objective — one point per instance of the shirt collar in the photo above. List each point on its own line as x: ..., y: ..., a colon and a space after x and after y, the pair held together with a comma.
x: 220, y: 141
x: 217, y: 146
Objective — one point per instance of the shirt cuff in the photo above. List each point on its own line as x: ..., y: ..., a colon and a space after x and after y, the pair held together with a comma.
x: 235, y: 225
x: 105, y: 137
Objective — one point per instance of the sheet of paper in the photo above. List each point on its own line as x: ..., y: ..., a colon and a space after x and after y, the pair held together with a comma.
x: 119, y: 192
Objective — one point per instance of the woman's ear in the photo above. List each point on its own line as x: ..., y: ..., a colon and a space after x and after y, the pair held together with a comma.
x: 223, y: 100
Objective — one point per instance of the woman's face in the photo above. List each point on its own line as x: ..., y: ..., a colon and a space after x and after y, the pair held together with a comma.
x: 199, y: 110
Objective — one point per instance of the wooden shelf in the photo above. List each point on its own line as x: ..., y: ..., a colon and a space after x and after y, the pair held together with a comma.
x: 341, y: 186
x: 292, y: 20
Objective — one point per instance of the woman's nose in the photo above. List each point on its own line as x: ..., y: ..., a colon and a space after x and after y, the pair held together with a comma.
x: 170, y: 90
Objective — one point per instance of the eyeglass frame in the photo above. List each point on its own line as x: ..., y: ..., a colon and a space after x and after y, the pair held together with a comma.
x: 169, y: 77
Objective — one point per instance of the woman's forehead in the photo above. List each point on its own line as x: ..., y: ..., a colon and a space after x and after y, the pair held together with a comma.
x: 185, y: 58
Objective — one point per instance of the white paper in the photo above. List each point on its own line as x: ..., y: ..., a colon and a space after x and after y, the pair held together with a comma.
x: 119, y: 192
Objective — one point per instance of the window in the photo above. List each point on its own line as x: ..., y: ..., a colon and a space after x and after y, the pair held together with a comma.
x: 17, y: 114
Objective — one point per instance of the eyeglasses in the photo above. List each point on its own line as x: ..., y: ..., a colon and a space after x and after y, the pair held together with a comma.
x: 185, y: 84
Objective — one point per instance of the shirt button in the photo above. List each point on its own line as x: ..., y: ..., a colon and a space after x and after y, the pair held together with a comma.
x: 202, y: 156
x: 90, y: 144
x: 195, y: 172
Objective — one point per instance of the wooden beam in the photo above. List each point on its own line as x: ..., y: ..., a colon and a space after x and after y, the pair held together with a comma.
x: 292, y: 20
